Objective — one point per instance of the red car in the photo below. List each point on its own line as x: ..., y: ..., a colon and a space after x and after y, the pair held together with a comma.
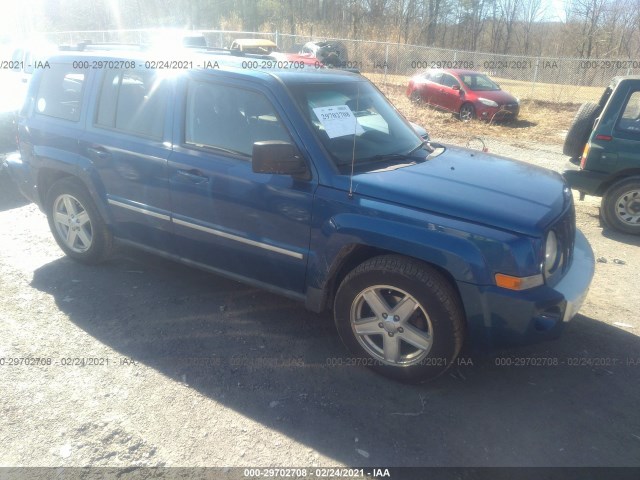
x: 465, y: 92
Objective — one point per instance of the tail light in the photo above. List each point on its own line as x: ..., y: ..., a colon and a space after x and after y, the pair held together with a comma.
x: 585, y: 152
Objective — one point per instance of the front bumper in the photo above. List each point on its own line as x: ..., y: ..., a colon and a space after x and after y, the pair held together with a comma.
x: 497, y: 113
x: 500, y: 317
x: 574, y: 286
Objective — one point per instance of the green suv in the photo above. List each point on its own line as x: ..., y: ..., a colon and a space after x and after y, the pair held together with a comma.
x: 604, y: 140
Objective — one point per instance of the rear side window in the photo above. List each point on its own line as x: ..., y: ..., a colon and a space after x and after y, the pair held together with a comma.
x: 630, y: 120
x: 434, y: 76
x: 133, y: 101
x: 60, y: 92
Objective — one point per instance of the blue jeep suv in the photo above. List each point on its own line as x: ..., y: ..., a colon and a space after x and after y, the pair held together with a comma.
x: 309, y: 184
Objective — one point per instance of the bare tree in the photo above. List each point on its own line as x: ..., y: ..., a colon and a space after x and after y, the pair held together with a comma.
x: 531, y: 12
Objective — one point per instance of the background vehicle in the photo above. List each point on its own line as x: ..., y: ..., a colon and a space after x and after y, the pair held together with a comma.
x: 267, y: 47
x: 258, y: 46
x: 605, y: 138
x: 330, y: 53
x: 311, y: 185
x: 22, y: 60
x: 467, y: 93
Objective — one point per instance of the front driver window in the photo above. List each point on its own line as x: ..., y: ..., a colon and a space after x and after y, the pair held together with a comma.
x: 230, y: 118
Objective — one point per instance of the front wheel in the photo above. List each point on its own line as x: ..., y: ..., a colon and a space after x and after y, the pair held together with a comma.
x: 620, y: 207
x: 76, y: 223
x: 467, y: 112
x: 401, y: 317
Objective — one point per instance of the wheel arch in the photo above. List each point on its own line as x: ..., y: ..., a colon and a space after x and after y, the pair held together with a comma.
x: 48, y: 175
x: 46, y: 178
x: 457, y: 259
x: 356, y: 254
x: 618, y: 177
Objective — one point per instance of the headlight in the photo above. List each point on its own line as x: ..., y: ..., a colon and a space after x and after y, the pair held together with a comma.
x: 487, y: 102
x: 550, y: 253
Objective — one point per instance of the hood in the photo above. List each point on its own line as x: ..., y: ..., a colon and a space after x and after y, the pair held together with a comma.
x: 473, y: 186
x: 499, y: 96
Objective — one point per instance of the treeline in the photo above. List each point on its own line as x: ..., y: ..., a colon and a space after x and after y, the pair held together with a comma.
x: 584, y: 28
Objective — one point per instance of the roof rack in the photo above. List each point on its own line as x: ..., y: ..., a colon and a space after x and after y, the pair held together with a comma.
x: 88, y: 45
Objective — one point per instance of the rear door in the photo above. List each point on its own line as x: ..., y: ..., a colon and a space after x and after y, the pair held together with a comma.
x: 252, y: 225
x: 431, y: 88
x: 128, y: 142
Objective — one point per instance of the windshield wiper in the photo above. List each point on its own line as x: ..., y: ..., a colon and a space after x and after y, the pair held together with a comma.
x: 402, y: 156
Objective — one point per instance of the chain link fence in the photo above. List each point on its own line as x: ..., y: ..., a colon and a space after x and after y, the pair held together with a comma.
x: 564, y: 80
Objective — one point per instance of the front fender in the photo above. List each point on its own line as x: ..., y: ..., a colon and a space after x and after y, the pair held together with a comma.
x: 430, y: 243
x: 468, y: 252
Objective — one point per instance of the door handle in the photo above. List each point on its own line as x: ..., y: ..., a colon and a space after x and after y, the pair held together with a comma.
x: 98, y: 153
x: 195, y: 176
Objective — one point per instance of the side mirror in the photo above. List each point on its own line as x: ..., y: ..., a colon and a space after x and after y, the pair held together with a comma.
x: 278, y: 157
x: 456, y: 87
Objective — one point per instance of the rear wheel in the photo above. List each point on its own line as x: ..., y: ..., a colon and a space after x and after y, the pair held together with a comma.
x: 467, y: 112
x: 76, y: 223
x: 620, y: 207
x: 401, y: 317
x: 415, y: 97
x: 580, y: 129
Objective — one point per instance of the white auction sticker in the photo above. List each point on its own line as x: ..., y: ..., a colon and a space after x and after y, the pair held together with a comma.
x: 338, y: 121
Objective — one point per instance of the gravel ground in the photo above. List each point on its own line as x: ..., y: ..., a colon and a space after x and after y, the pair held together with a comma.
x: 189, y: 369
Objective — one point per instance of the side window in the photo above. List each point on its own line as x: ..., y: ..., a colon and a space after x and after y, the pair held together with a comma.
x: 230, y: 118
x: 133, y: 101
x: 434, y: 77
x: 60, y: 92
x: 630, y: 120
x: 448, y: 81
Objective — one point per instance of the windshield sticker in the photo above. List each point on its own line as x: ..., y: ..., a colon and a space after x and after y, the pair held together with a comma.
x: 338, y: 121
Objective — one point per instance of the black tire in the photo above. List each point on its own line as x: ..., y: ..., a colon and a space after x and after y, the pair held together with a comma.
x: 87, y: 240
x: 580, y: 129
x: 467, y: 112
x: 436, y: 324
x: 416, y: 98
x: 620, y: 207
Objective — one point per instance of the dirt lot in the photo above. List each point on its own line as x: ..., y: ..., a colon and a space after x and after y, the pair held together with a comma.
x: 195, y: 370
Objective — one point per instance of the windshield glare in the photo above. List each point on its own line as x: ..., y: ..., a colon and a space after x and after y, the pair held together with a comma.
x: 479, y: 82
x: 340, y: 112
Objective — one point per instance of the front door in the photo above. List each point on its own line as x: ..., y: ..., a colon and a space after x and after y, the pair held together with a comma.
x: 250, y: 225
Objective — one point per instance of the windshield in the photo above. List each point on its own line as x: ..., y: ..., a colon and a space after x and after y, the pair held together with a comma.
x: 478, y: 82
x: 343, y: 112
